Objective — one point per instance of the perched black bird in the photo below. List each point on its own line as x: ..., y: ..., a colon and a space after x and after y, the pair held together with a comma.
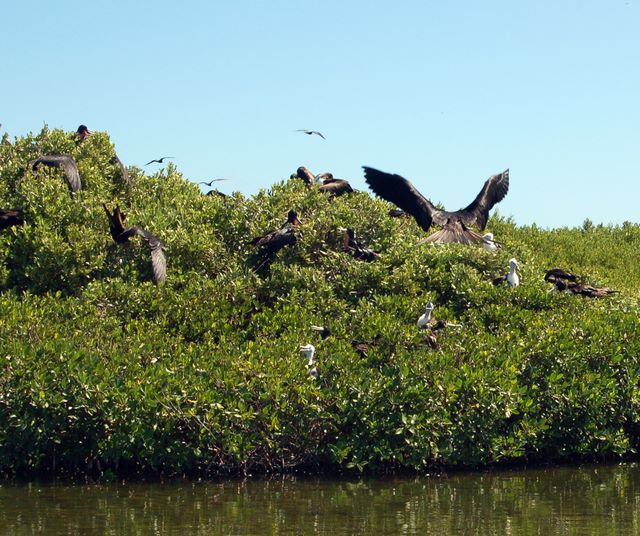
x: 216, y: 192
x: 335, y: 187
x: 68, y: 165
x: 124, y: 174
x: 566, y: 281
x: 273, y: 241
x: 305, y: 175
x: 353, y: 247
x: 121, y: 235
x: 402, y: 193
x: 10, y: 217
x: 310, y: 132
x: 362, y: 347
x: 82, y: 133
x: 159, y: 160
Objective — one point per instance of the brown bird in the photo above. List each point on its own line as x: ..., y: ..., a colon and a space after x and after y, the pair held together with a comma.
x: 82, y: 133
x: 336, y: 187
x: 401, y: 192
x: 305, y: 175
x: 121, y: 235
x: 310, y: 132
x: 124, y: 174
x: 362, y: 347
x: 354, y: 248
x: 273, y: 241
x: 430, y: 325
x: 10, y: 217
x: 454, y: 232
x: 68, y: 165
x: 566, y: 281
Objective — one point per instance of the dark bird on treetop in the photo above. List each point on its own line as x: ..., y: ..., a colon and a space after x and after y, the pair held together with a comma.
x: 354, y: 248
x: 335, y: 187
x: 402, y: 193
x: 306, y: 176
x: 82, y: 133
x: 10, y: 217
x: 566, y: 281
x: 159, y: 160
x: 68, y: 165
x: 273, y: 241
x: 121, y: 235
x: 310, y: 132
x: 124, y: 174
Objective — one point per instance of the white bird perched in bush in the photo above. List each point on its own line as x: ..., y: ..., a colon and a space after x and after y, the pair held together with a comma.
x: 309, y: 350
x: 511, y: 277
x: 489, y: 243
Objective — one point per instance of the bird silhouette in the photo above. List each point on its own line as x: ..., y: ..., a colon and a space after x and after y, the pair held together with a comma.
x: 124, y: 174
x: 158, y: 160
x: 403, y: 194
x: 82, y: 133
x: 68, y: 165
x: 310, y: 132
x: 335, y: 187
x: 122, y: 234
x: 354, y: 248
x: 273, y: 241
x: 210, y: 183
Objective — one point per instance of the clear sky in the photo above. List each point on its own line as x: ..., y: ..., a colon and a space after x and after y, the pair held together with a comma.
x: 443, y: 93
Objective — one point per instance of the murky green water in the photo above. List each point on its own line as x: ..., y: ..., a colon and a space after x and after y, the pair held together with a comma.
x: 602, y: 500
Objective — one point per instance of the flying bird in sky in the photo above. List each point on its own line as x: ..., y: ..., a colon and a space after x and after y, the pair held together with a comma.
x: 159, y: 160
x: 210, y: 183
x: 68, y: 165
x: 403, y: 194
x: 310, y: 132
x: 121, y: 235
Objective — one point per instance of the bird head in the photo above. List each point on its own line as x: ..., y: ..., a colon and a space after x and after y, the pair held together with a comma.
x: 488, y: 237
x: 513, y: 264
x: 429, y: 307
x: 323, y: 330
x: 292, y: 217
x: 83, y: 132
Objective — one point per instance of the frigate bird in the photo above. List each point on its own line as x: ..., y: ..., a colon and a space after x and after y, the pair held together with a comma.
x: 454, y: 232
x: 64, y: 161
x: 402, y: 193
x: 321, y: 177
x: 511, y: 277
x: 354, y: 248
x: 10, y: 217
x: 362, y: 347
x: 124, y: 174
x: 210, y: 183
x: 305, y: 175
x: 308, y: 351
x: 121, y: 235
x: 336, y: 187
x: 310, y: 132
x: 273, y: 241
x: 489, y: 243
x: 82, y: 133
x: 397, y: 213
x: 158, y: 160
x: 566, y: 281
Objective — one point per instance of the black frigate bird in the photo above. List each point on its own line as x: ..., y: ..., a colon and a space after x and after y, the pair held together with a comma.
x: 310, y: 132
x: 273, y: 241
x: 354, y: 248
x: 454, y: 231
x: 403, y: 194
x: 210, y: 183
x: 305, y: 175
x: 335, y: 187
x: 361, y: 347
x: 158, y: 160
x: 566, y: 281
x: 10, y: 217
x: 124, y: 174
x: 82, y: 133
x: 122, y: 234
x: 68, y: 165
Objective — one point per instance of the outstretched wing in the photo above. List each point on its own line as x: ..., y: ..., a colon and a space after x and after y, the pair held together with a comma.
x: 454, y: 232
x: 493, y: 191
x: 401, y: 192
x: 67, y: 163
x: 124, y: 174
x: 158, y: 259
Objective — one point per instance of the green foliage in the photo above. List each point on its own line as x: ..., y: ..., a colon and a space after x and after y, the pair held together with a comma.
x: 103, y: 371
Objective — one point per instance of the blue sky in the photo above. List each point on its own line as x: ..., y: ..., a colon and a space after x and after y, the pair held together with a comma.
x: 443, y: 93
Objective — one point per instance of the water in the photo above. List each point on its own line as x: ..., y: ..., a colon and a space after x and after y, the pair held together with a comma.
x: 594, y: 500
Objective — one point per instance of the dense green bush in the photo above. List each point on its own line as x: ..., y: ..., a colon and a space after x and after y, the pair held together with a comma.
x: 104, y: 372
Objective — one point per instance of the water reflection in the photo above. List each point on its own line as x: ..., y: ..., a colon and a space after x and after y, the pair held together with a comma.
x: 581, y: 501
